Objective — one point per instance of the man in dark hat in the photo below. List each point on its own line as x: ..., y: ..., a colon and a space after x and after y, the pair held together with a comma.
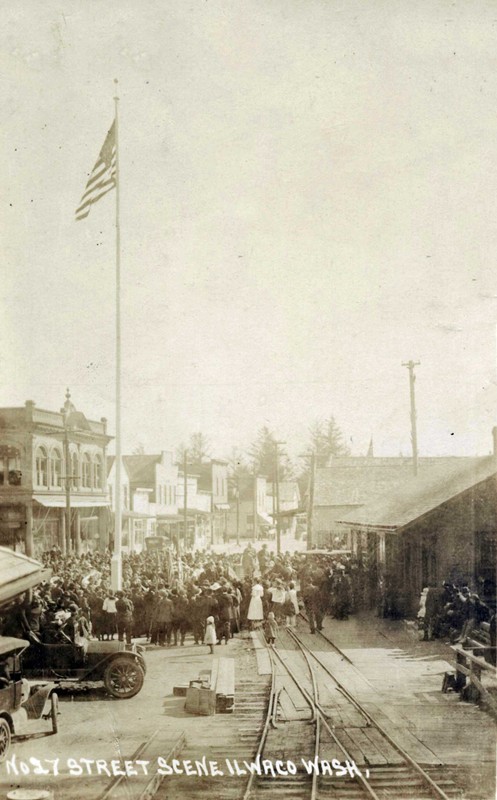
x: 313, y: 607
x: 224, y: 614
x: 124, y: 609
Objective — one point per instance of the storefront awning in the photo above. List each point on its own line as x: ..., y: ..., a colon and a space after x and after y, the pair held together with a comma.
x: 190, y: 512
x: 136, y: 515
x: 265, y: 518
x: 76, y: 502
x: 18, y: 573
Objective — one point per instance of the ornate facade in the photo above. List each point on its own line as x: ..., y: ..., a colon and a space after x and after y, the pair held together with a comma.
x: 52, y: 468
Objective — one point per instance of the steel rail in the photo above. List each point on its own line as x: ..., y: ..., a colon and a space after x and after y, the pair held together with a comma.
x: 324, y: 721
x: 340, y: 685
x: 427, y: 778
x: 316, y: 719
x: 270, y: 716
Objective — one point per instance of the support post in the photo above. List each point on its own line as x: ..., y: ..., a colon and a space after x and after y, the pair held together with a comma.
x: 237, y: 510
x: 185, y: 499
x: 62, y: 530
x: 310, y: 507
x: 29, y: 543
x: 66, y: 539
x: 116, y: 562
x: 255, y: 507
x: 414, y: 433
x: 77, y: 533
x: 277, y: 499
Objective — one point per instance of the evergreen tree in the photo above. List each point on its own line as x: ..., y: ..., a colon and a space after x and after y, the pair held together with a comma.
x: 326, y: 441
x: 262, y: 455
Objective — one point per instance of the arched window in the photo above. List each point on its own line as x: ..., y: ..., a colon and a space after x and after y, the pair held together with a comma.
x: 10, y: 466
x: 86, y: 472
x: 97, y: 473
x: 41, y: 467
x: 56, y: 468
x: 74, y: 471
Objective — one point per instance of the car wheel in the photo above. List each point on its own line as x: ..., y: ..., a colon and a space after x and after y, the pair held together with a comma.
x: 54, y: 710
x: 5, y: 738
x: 123, y: 677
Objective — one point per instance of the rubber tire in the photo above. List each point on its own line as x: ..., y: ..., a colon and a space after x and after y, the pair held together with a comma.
x: 54, y: 705
x: 125, y: 665
x: 5, y: 739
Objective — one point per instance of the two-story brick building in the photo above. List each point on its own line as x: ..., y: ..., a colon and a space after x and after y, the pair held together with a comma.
x: 51, y: 463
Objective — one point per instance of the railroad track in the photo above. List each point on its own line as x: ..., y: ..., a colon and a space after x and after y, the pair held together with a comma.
x: 392, y: 775
x: 335, y: 726
x: 253, y: 696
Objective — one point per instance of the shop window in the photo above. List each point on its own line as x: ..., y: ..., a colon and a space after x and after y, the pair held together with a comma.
x: 42, y: 467
x: 56, y: 468
x: 86, y: 471
x: 10, y: 463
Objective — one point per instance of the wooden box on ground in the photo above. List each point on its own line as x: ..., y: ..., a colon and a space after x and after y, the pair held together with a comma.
x: 214, y: 690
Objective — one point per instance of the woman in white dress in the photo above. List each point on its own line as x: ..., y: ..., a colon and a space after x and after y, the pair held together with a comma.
x: 255, y: 613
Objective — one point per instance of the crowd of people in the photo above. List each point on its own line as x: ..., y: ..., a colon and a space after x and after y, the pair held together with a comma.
x: 210, y: 597
x: 453, y: 612
x: 164, y: 598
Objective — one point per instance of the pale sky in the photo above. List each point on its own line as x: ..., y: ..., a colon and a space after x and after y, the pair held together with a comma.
x: 309, y: 198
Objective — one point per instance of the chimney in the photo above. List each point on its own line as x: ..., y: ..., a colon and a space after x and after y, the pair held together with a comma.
x: 29, y: 405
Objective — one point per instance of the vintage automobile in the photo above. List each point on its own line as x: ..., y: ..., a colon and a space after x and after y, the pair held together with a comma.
x: 119, y: 666
x: 20, y: 700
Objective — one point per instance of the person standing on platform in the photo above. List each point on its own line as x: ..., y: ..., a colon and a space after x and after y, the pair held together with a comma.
x: 164, y: 618
x: 313, y: 607
x: 255, y: 613
x: 210, y: 637
x: 124, y: 609
x: 291, y: 606
x: 271, y: 628
x: 110, y: 614
x: 248, y: 562
x: 278, y: 595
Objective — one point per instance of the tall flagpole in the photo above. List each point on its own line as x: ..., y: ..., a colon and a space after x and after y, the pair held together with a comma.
x: 116, y: 565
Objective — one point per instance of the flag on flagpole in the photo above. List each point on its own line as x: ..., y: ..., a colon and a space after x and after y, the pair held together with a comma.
x: 103, y: 175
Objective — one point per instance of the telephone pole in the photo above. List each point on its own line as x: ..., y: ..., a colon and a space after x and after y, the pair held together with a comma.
x: 310, y: 497
x: 237, y: 490
x: 255, y: 505
x: 310, y: 509
x: 414, y: 434
x: 276, y: 496
x: 185, y: 501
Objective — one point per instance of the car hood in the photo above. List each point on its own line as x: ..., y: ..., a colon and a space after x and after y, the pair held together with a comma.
x: 108, y: 647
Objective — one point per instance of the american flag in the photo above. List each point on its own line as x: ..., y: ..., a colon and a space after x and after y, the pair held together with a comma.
x: 103, y: 175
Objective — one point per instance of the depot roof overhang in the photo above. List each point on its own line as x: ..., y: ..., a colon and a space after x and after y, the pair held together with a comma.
x: 18, y: 573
